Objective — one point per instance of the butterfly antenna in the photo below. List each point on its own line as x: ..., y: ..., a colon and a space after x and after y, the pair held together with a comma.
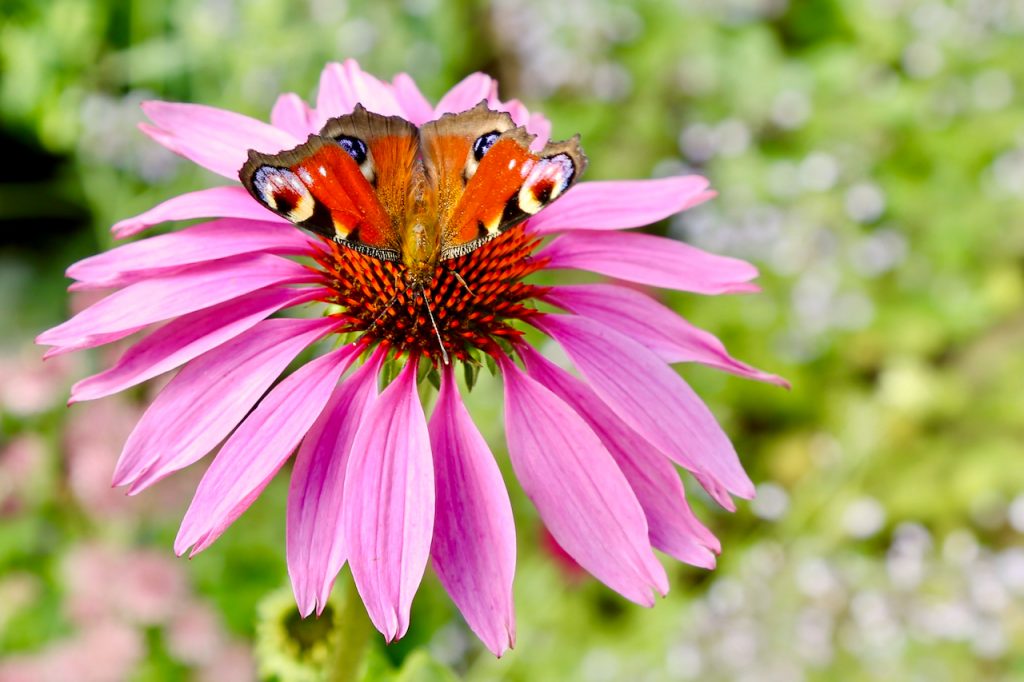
x: 437, y: 332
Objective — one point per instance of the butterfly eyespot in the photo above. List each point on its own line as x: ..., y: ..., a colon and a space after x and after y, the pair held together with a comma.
x: 283, y: 192
x: 354, y: 147
x: 546, y: 181
x: 484, y: 143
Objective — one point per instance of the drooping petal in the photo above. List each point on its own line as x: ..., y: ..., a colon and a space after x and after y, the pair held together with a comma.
x: 619, y: 204
x: 388, y: 504
x: 225, y: 202
x: 653, y: 325
x: 580, y: 493
x: 416, y: 107
x: 166, y: 296
x: 216, y: 139
x: 651, y: 260
x: 260, y: 446
x: 293, y: 115
x: 89, y: 342
x: 315, y: 541
x: 197, y: 244
x: 187, y: 337
x: 651, y: 398
x: 209, y: 396
x: 474, y: 549
x: 343, y: 86
x: 466, y: 94
x: 672, y: 527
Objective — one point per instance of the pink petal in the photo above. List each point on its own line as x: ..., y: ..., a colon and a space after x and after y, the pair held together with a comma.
x: 292, y: 115
x: 651, y: 398
x: 539, y: 125
x: 196, y: 244
x: 535, y: 124
x: 653, y: 325
x: 618, y: 204
x: 466, y: 94
x: 580, y: 493
x: 227, y: 202
x: 89, y: 342
x: 216, y: 139
x: 262, y: 443
x: 672, y: 527
x: 187, y: 337
x: 343, y: 86
x: 646, y: 259
x: 315, y: 542
x: 516, y: 109
x: 416, y: 107
x: 209, y: 396
x: 474, y: 549
x: 178, y: 293
x: 388, y: 515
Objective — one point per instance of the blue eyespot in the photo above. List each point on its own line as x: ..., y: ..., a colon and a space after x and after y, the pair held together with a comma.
x: 484, y: 143
x: 355, y: 148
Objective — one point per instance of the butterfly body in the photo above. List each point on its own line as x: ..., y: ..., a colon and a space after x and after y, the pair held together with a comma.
x: 421, y: 237
x: 418, y: 196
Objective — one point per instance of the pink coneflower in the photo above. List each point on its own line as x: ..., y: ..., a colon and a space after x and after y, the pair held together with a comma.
x: 374, y: 482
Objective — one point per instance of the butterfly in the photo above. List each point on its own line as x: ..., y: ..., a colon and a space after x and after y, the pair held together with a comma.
x: 417, y: 196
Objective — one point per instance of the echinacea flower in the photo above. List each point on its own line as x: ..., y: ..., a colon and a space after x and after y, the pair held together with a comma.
x: 374, y: 482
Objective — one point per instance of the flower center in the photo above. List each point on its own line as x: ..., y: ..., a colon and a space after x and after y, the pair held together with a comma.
x: 471, y: 299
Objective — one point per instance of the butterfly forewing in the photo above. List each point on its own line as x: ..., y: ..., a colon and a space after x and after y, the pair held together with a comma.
x: 350, y: 183
x: 481, y: 207
x: 386, y: 148
x: 487, y: 178
x: 453, y: 147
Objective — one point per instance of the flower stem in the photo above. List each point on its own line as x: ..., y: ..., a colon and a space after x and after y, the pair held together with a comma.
x: 352, y: 634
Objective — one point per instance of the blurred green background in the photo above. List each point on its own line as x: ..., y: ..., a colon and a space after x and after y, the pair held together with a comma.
x: 869, y: 157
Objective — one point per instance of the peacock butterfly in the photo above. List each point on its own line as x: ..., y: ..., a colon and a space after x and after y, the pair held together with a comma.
x: 381, y: 186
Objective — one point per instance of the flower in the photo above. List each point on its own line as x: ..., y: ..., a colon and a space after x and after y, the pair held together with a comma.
x: 374, y: 483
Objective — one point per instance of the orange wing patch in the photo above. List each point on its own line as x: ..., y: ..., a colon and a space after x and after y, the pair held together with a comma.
x: 338, y: 186
x: 510, y: 184
x: 498, y: 178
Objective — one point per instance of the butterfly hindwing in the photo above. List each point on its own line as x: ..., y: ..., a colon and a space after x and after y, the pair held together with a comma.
x: 350, y: 183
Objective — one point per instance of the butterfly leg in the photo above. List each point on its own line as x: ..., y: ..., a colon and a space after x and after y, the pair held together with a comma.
x: 386, y: 307
x: 461, y: 281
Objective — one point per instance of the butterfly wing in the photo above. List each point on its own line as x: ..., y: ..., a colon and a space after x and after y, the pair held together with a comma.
x: 349, y: 183
x: 486, y: 177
